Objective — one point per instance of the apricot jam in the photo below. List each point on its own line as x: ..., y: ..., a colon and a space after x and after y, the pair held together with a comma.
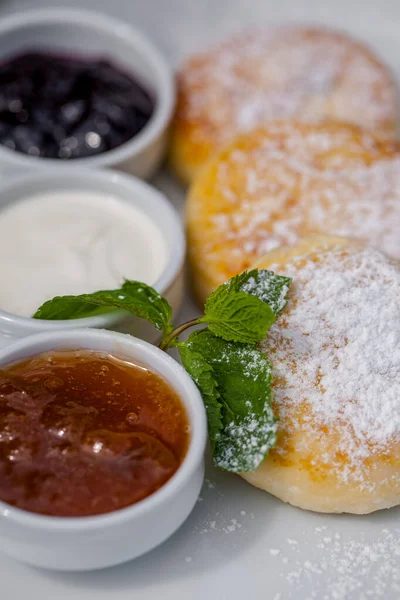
x: 85, y: 433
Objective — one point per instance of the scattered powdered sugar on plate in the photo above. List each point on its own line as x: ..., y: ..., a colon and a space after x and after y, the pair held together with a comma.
x: 344, y: 568
x: 216, y: 523
x: 283, y: 72
x: 317, y: 562
x: 216, y: 516
x: 336, y: 357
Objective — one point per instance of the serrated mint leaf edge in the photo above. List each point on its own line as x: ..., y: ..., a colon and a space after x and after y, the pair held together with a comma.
x: 250, y: 431
x: 224, y: 455
x: 249, y: 282
x: 261, y: 283
x: 238, y: 317
x: 210, y: 396
x: 122, y: 298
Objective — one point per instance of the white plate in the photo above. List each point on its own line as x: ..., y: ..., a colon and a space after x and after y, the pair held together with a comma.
x: 240, y: 543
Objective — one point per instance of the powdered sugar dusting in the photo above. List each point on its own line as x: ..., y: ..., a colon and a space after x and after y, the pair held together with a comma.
x: 343, y: 566
x: 253, y: 435
x: 245, y: 441
x: 290, y: 180
x: 336, y: 350
x: 278, y: 73
x: 295, y: 196
x: 268, y: 288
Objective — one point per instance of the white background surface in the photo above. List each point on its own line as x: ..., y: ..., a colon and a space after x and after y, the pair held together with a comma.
x: 239, y: 543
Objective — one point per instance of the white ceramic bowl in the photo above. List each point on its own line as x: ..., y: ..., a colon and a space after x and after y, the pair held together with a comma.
x: 85, y: 543
x: 128, y: 189
x: 91, y: 34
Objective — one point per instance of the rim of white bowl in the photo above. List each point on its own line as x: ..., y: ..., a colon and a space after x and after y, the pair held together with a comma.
x: 152, y: 199
x: 165, y: 94
x: 190, y: 463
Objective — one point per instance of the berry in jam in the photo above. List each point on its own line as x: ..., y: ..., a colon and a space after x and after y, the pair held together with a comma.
x: 61, y: 107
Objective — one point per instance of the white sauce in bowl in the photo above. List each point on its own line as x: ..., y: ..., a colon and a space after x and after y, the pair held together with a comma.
x: 73, y: 242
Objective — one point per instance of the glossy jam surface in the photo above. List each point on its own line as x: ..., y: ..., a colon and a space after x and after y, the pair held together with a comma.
x: 63, y: 107
x: 84, y: 433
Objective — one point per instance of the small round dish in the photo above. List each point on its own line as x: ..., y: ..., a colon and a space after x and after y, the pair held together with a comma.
x: 128, y: 189
x: 85, y: 543
x: 91, y: 34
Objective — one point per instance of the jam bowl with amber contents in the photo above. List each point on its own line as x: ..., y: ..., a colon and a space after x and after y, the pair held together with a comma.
x: 102, y: 440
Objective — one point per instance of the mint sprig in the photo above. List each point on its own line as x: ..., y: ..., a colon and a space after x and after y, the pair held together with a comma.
x: 232, y: 374
x: 246, y: 427
x: 137, y: 298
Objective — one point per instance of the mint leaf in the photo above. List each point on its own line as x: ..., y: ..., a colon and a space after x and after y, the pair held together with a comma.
x: 269, y: 288
x: 265, y: 285
x: 135, y: 297
x: 245, y: 307
x: 203, y: 376
x: 237, y: 316
x: 243, y: 377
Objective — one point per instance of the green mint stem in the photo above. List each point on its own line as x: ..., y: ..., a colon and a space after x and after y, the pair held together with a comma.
x: 167, y: 341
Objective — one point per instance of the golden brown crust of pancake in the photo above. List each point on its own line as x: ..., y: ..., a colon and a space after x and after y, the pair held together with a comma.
x: 319, y: 463
x: 285, y: 181
x: 304, y: 73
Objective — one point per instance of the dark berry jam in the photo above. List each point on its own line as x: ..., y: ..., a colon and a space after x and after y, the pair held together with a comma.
x: 63, y: 107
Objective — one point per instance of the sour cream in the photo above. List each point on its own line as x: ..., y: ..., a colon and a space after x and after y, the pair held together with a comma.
x: 60, y: 243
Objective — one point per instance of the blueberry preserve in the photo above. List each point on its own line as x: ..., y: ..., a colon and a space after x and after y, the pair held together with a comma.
x: 63, y: 107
